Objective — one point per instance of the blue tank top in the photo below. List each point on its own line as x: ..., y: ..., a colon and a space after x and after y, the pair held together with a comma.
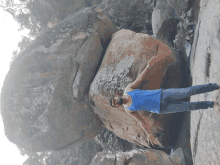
x: 148, y: 100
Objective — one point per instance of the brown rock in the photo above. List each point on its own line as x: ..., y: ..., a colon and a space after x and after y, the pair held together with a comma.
x: 45, y: 94
x: 125, y: 58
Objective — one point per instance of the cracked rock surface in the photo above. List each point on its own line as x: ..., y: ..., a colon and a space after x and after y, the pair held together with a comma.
x: 125, y: 58
x: 56, y: 92
x: 139, y: 157
x: 205, y: 124
x: 45, y: 102
x: 130, y: 14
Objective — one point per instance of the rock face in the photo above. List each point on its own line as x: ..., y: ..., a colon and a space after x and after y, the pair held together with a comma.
x: 45, y: 102
x: 139, y: 157
x: 164, y: 21
x: 110, y: 142
x: 125, y: 58
x: 179, y: 5
x: 46, y: 99
x: 205, y: 68
x: 130, y: 14
x: 81, y: 154
x: 71, y: 6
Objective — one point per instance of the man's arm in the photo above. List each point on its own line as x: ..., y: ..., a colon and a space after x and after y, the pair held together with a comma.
x: 138, y: 118
x: 151, y: 68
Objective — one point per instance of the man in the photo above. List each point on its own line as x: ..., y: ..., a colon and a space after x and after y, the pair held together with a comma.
x: 161, y: 101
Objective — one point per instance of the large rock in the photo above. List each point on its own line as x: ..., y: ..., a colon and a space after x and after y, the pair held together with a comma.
x: 63, y: 8
x: 81, y: 154
x: 164, y: 22
x: 110, y: 142
x: 205, y: 66
x: 125, y: 58
x: 44, y: 98
x: 139, y: 157
x: 134, y: 15
x: 179, y: 5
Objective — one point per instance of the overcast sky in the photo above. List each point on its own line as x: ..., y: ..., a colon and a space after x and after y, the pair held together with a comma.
x: 10, y: 37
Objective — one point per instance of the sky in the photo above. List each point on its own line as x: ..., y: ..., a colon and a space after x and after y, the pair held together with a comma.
x: 10, y: 36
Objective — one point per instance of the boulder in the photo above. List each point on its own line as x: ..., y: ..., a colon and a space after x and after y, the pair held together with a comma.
x: 45, y: 103
x: 81, y: 154
x: 139, y: 157
x: 111, y: 142
x: 179, y: 5
x: 205, y: 67
x: 125, y: 58
x: 134, y: 15
x: 65, y: 7
x: 164, y: 22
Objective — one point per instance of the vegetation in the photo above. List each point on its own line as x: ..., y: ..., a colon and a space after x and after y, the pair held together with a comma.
x: 39, y: 15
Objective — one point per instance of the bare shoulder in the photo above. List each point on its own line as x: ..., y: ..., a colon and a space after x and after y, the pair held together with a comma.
x: 128, y: 88
x: 128, y: 97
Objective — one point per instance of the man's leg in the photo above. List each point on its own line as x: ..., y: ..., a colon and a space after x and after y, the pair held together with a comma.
x: 181, y: 93
x: 184, y: 106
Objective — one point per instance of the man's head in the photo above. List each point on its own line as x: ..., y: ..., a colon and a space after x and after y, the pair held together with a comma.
x: 115, y: 101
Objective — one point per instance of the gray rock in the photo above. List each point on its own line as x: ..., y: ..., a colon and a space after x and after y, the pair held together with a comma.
x: 188, y: 38
x: 44, y: 98
x: 130, y: 14
x: 179, y: 5
x: 110, y: 142
x: 191, y: 31
x: 205, y: 68
x: 139, y: 157
x: 164, y: 22
x: 46, y: 104
x: 80, y: 154
x: 183, y: 140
